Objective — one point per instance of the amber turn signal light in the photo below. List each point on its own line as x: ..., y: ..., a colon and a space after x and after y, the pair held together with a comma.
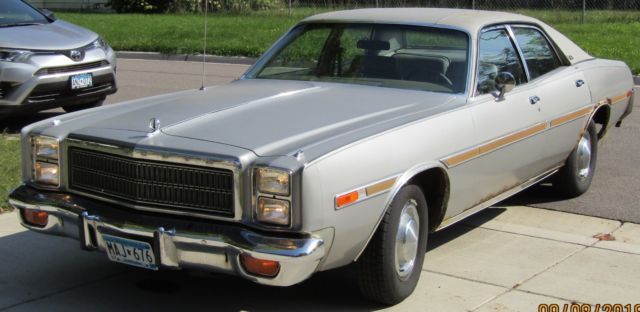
x: 35, y: 217
x: 346, y: 199
x: 255, y: 266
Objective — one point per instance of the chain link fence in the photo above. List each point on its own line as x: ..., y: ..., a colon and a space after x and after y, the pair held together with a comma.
x: 474, y: 4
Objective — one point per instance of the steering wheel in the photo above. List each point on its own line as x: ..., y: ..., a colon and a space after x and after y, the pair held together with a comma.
x: 446, y: 80
x: 419, y: 75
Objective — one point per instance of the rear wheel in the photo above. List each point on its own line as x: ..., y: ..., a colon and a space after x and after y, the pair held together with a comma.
x: 75, y: 108
x: 575, y: 177
x: 389, y: 268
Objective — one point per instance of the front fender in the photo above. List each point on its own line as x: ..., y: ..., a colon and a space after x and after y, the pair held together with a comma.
x: 407, y: 178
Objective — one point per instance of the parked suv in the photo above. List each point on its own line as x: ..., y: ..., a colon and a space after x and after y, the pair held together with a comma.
x: 47, y: 63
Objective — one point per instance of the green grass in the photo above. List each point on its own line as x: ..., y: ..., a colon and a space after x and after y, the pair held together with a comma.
x: 606, y: 34
x: 228, y: 34
x: 9, y: 167
x: 611, y: 41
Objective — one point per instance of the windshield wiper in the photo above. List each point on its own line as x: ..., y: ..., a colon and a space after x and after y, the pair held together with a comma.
x: 19, y: 24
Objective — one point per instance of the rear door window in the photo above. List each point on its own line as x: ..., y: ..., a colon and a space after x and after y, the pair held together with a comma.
x: 538, y: 53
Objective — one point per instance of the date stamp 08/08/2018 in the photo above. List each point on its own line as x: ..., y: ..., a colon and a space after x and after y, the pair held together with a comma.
x: 576, y: 307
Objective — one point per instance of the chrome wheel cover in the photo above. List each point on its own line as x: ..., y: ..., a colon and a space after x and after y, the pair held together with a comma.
x: 584, y: 156
x: 407, y: 239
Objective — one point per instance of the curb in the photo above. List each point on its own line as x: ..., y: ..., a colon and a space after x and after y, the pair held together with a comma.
x: 185, y: 57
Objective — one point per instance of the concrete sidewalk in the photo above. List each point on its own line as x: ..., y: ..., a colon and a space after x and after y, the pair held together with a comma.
x: 502, y: 259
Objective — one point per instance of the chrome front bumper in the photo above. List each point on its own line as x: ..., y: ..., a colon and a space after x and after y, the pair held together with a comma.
x: 177, y: 243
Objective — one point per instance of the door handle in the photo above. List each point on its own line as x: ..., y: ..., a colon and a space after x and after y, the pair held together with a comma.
x: 534, y: 99
x: 579, y: 83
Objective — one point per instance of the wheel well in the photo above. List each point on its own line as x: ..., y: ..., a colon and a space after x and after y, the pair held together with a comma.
x: 434, y: 184
x: 601, y: 117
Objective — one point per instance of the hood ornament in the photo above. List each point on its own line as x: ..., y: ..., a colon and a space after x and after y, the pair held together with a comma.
x: 154, y: 126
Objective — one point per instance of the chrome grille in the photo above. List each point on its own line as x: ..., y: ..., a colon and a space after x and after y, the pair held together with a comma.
x: 71, y: 68
x: 151, y: 183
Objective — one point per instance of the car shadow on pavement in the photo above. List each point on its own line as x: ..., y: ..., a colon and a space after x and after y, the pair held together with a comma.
x: 51, y: 273
x: 461, y: 228
x: 13, y: 123
x: 541, y: 193
x: 41, y: 272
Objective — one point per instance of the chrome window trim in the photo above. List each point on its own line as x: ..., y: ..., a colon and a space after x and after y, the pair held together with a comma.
x: 253, y: 70
x: 142, y: 154
x: 523, y: 60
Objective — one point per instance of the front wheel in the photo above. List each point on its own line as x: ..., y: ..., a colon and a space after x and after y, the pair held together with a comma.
x: 575, y: 177
x: 389, y: 268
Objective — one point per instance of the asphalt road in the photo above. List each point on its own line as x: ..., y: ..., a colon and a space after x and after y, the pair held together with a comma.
x: 614, y: 194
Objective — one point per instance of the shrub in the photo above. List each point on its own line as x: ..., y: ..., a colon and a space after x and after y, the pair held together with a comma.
x: 139, y: 6
x: 185, y: 6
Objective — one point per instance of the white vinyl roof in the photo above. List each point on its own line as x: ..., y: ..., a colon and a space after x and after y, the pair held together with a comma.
x: 470, y: 20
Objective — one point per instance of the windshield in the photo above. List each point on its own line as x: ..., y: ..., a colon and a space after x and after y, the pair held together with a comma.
x: 396, y: 56
x: 16, y: 13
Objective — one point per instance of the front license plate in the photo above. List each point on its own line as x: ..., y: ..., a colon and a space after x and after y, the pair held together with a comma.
x: 131, y: 252
x: 81, y: 81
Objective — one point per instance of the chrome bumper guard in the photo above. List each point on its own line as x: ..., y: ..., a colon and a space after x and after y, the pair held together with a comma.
x: 176, y: 243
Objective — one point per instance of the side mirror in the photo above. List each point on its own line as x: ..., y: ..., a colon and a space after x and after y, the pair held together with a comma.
x: 505, y: 82
x: 50, y: 15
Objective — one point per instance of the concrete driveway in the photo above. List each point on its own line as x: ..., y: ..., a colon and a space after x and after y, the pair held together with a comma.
x: 503, y: 259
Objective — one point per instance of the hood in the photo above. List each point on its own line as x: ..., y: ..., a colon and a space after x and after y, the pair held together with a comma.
x: 272, y: 118
x: 58, y: 35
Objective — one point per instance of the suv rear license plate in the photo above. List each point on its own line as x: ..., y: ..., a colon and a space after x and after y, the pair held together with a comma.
x: 81, y: 81
x: 131, y: 252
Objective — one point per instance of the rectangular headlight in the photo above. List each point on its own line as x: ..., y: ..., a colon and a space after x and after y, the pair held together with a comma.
x: 273, y: 181
x: 46, y: 173
x: 46, y: 147
x: 274, y: 211
x: 46, y: 164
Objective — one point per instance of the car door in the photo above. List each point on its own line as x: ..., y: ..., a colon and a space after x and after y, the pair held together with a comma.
x: 562, y: 94
x: 507, y: 129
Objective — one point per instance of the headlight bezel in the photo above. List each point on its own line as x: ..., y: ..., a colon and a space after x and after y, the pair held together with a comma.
x: 51, y: 159
x: 261, y: 193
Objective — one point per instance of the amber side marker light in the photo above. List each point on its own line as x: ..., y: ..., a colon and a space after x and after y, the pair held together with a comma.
x: 260, y: 267
x: 35, y: 217
x: 346, y: 199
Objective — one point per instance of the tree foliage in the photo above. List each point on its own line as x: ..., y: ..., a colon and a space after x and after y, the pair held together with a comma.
x: 191, y: 6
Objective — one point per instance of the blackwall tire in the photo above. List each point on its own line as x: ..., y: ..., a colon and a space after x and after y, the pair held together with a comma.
x: 389, y: 269
x: 575, y: 177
